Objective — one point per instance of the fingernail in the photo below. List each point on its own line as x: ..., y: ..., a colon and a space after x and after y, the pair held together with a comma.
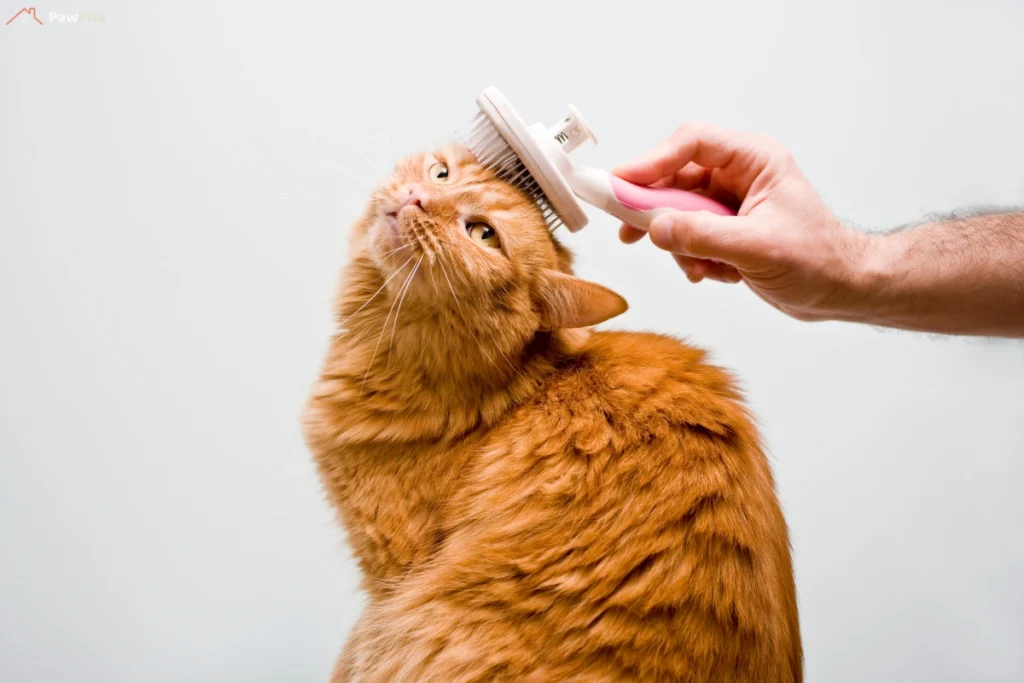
x: 661, y: 230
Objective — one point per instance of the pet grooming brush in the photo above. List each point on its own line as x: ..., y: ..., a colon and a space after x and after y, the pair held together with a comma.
x: 536, y: 159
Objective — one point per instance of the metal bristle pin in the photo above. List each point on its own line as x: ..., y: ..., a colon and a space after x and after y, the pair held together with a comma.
x: 492, y: 151
x: 532, y: 158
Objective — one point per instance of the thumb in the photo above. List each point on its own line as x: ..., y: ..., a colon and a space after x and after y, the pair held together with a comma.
x: 704, y: 235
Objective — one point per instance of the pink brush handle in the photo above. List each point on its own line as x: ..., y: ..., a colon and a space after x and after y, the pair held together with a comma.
x: 639, y: 198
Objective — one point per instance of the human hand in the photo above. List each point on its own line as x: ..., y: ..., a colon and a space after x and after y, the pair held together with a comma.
x: 784, y: 242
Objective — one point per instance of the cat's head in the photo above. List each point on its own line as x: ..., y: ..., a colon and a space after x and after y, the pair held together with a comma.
x: 446, y: 232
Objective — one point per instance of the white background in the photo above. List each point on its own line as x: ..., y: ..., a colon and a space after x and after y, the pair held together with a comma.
x: 175, y: 188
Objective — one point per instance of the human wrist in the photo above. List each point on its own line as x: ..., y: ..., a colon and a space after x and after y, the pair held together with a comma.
x: 873, y: 277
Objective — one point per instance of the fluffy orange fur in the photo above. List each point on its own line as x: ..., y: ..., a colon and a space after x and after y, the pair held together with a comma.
x: 530, y: 500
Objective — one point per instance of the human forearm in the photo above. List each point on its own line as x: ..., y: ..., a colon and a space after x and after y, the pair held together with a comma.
x: 963, y: 275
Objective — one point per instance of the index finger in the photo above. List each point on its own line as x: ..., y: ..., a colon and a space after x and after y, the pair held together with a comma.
x: 740, y: 157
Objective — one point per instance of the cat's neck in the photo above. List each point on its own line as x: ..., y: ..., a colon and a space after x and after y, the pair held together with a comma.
x: 409, y: 371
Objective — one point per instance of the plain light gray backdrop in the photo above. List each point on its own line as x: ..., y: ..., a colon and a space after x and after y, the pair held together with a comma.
x: 176, y: 186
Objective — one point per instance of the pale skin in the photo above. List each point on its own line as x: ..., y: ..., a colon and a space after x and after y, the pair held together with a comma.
x: 962, y: 275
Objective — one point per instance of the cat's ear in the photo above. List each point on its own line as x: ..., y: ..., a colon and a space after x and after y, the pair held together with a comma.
x: 566, y: 301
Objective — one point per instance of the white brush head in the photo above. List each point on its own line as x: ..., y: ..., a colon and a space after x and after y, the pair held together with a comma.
x: 500, y: 140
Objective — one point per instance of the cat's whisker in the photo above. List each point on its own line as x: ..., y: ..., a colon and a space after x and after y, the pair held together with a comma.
x: 433, y: 279
x: 396, y: 250
x: 383, y: 328
x: 352, y: 151
x: 450, y: 287
x: 318, y: 195
x: 444, y: 241
x: 498, y: 349
x: 462, y: 316
x: 426, y: 246
x: 374, y: 296
x: 404, y: 293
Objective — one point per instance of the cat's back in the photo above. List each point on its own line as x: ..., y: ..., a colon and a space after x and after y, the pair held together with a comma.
x: 629, y: 411
x: 627, y: 524
x: 647, y: 380
x: 626, y: 389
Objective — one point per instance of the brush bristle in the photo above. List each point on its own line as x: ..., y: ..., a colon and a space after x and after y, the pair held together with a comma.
x: 493, y: 152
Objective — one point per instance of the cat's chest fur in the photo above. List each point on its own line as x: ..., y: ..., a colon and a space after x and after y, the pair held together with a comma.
x: 393, y: 499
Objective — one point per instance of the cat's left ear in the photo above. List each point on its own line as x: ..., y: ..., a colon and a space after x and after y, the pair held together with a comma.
x: 566, y: 301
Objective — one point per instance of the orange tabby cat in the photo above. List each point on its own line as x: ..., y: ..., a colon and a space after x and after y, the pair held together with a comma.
x: 530, y: 500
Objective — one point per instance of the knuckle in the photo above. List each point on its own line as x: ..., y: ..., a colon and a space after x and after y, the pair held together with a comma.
x: 690, y: 233
x: 773, y: 147
x: 701, y: 226
x: 777, y: 251
x: 691, y: 127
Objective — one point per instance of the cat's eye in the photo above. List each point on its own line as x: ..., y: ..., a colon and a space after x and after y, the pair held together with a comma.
x: 439, y: 172
x: 484, y: 234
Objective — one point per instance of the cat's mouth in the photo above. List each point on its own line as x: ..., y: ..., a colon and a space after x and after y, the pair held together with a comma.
x: 405, y: 230
x: 408, y: 208
x: 400, y: 221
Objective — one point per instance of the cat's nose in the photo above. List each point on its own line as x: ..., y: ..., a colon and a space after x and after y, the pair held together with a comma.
x: 414, y: 197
